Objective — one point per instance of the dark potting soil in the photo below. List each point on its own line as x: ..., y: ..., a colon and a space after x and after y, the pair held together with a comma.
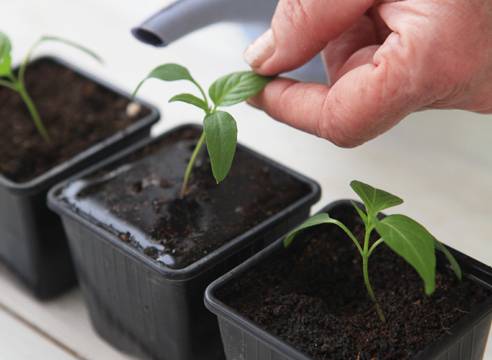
x: 314, y: 298
x: 138, y: 199
x: 77, y: 113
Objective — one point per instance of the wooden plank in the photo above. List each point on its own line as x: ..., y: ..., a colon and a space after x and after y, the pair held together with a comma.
x: 19, y: 341
x: 64, y: 320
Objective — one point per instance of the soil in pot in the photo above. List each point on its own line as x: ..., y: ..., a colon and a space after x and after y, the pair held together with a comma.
x: 138, y: 199
x: 77, y: 112
x: 314, y: 299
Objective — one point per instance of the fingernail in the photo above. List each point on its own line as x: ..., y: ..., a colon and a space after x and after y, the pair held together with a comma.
x: 259, y: 51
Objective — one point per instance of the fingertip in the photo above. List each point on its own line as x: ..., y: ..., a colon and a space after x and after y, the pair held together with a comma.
x: 303, y: 106
x: 272, y: 92
x: 258, y: 100
x: 293, y: 103
x: 260, y: 51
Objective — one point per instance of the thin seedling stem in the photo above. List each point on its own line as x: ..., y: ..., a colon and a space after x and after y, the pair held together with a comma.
x: 365, y: 271
x: 191, y: 163
x: 33, y: 111
x: 367, y: 282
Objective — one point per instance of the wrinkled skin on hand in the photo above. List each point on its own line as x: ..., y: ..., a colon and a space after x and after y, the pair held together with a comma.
x: 386, y: 59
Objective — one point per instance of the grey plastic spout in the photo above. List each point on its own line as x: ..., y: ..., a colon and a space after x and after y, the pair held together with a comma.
x: 185, y: 16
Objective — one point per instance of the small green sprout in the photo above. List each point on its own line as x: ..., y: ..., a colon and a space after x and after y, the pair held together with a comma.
x: 219, y: 130
x: 406, y: 237
x: 16, y: 82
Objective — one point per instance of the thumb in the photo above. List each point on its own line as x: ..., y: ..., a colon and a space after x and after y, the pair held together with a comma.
x: 300, y: 30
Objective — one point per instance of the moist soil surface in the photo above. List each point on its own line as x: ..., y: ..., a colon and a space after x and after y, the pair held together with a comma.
x: 77, y: 113
x: 138, y: 199
x: 313, y: 297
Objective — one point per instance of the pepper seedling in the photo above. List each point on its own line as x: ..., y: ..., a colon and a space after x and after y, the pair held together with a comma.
x: 406, y: 237
x: 219, y: 127
x: 16, y: 82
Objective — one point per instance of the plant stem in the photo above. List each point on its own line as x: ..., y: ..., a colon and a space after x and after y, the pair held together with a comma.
x: 33, y: 111
x: 350, y: 234
x: 25, y: 61
x: 190, y: 165
x: 7, y: 85
x: 374, y: 246
x: 365, y: 270
x: 205, y: 98
x: 199, y: 145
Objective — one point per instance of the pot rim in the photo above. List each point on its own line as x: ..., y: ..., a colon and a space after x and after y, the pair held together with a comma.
x: 56, y: 173
x: 472, y: 269
x: 215, y: 257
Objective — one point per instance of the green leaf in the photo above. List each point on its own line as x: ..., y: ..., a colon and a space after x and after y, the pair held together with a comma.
x: 170, y: 72
x: 5, y: 55
x: 237, y: 87
x: 413, y: 243
x: 6, y: 65
x: 451, y: 259
x: 167, y: 72
x: 319, y: 219
x: 221, y: 137
x: 315, y: 220
x: 190, y: 99
x: 375, y: 200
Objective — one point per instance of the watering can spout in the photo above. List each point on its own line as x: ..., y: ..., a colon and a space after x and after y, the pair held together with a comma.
x: 185, y: 16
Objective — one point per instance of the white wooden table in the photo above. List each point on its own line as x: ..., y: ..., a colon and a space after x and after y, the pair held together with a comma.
x: 441, y: 162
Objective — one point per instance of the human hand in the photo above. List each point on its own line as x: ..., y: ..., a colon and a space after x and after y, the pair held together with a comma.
x: 386, y: 59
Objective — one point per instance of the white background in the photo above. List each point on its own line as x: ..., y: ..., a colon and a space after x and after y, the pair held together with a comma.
x: 439, y: 161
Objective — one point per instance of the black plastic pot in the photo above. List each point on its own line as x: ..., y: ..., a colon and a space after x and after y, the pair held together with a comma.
x: 32, y: 240
x: 244, y: 340
x: 145, y: 308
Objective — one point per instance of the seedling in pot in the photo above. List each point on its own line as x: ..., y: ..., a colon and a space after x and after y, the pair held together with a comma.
x: 406, y: 237
x: 219, y: 127
x: 16, y: 82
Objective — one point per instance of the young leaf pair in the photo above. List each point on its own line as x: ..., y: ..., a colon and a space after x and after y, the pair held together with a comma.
x: 16, y: 82
x: 219, y: 127
x: 406, y: 237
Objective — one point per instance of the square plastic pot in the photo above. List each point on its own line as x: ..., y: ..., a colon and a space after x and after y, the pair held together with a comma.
x: 146, y: 309
x: 32, y: 241
x: 244, y: 340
